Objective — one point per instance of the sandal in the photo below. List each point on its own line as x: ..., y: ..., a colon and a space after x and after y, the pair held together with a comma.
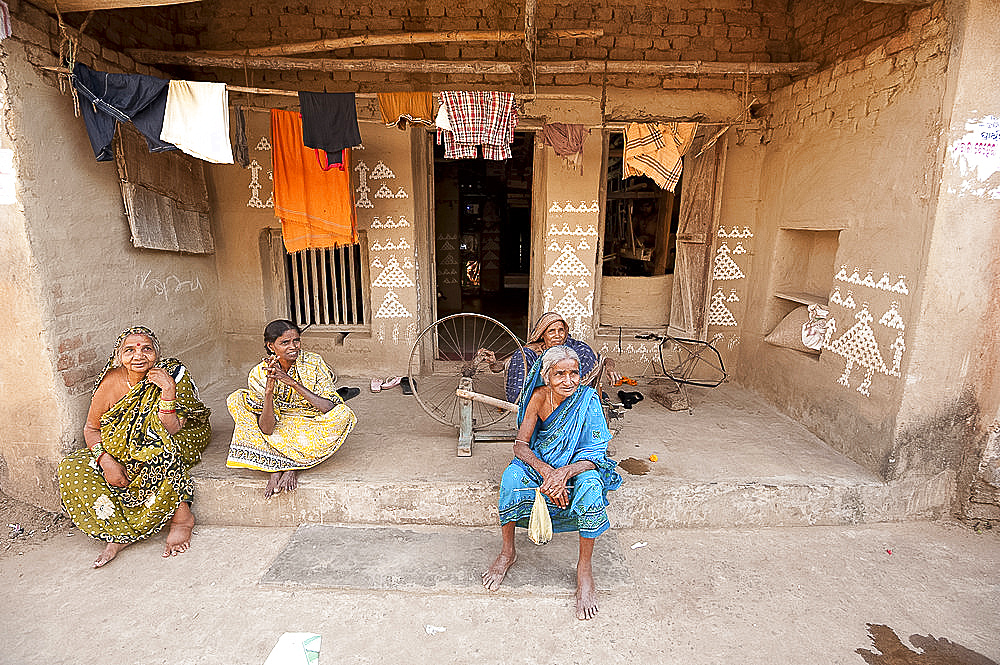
x: 391, y: 382
x: 376, y: 385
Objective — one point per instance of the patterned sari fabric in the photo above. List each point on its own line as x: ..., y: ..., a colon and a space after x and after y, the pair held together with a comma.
x: 575, y: 431
x: 303, y: 436
x: 155, y: 460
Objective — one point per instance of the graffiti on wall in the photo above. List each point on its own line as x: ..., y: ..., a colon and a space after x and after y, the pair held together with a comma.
x: 861, y: 345
x: 977, y: 155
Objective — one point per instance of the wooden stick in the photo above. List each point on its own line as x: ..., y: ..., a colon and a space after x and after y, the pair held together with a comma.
x: 406, y: 38
x: 683, y: 67
x: 529, y: 33
x: 277, y: 63
x: 486, y: 399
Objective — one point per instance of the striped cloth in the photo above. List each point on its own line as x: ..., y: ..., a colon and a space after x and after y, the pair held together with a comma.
x: 655, y: 150
x: 472, y: 119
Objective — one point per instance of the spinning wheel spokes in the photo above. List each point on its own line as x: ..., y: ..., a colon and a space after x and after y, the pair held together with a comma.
x: 447, y: 351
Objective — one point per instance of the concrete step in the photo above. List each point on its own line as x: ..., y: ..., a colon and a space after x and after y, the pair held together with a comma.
x: 734, y: 462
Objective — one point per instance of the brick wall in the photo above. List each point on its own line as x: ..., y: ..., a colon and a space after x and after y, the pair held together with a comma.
x: 856, y: 88
x: 727, y: 31
x: 826, y: 31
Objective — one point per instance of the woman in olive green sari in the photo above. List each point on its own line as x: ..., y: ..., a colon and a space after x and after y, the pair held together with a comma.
x: 146, y: 427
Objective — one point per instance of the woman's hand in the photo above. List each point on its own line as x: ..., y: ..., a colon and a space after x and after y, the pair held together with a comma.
x: 554, y: 485
x: 114, y: 471
x: 161, y: 378
x: 276, y: 373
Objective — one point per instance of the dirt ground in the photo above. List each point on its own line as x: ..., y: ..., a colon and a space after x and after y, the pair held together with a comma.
x: 24, y: 527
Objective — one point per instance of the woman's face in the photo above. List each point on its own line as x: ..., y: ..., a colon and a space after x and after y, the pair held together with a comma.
x: 138, y: 354
x: 287, y: 346
x: 564, y: 377
x: 554, y: 335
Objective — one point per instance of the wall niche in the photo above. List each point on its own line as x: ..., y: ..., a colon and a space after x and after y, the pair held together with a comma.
x: 802, y: 272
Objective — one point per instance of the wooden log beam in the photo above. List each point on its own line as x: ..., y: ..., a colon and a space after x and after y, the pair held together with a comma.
x: 682, y: 67
x: 321, y: 45
x: 278, y: 63
x: 529, y: 34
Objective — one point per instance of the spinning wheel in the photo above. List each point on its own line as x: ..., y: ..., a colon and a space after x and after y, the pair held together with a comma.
x: 448, y: 355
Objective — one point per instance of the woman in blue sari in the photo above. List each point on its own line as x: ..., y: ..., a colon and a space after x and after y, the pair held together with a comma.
x: 561, y: 448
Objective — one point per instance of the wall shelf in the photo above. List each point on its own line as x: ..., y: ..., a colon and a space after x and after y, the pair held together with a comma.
x: 803, y: 298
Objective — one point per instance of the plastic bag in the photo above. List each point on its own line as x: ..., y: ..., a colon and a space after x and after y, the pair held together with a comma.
x: 539, y: 523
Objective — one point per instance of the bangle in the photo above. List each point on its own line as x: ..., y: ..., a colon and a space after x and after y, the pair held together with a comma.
x: 168, y: 410
x: 527, y: 443
x: 167, y: 404
x: 97, y: 461
x: 98, y: 449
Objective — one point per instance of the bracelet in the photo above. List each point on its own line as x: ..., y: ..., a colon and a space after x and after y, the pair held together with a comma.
x: 98, y: 449
x: 527, y: 443
x: 168, y: 410
x: 98, y: 460
x: 167, y: 404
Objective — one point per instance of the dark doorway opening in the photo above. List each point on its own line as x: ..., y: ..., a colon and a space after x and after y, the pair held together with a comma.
x: 482, y: 234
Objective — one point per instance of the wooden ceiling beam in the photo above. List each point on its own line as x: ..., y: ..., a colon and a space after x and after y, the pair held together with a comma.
x: 207, y: 59
x: 445, y: 37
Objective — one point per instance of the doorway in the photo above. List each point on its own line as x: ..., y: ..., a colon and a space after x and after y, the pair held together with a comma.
x: 482, y: 234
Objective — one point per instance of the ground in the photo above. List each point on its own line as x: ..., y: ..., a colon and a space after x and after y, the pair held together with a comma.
x: 24, y: 527
x: 890, y: 594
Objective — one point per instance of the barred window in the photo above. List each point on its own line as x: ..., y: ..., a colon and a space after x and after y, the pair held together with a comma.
x: 327, y: 287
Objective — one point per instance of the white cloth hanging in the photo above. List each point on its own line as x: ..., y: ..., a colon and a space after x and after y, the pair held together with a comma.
x: 196, y: 120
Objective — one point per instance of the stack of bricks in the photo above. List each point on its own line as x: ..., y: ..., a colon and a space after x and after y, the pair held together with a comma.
x: 849, y: 93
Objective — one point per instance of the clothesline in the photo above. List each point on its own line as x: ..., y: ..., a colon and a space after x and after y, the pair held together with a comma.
x: 620, y: 125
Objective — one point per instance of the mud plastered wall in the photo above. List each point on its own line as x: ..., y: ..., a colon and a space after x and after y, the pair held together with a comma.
x: 382, y: 181
x: 851, y: 154
x: 81, y: 280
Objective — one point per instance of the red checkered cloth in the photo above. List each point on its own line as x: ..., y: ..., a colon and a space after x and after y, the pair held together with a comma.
x: 655, y: 150
x: 478, y: 119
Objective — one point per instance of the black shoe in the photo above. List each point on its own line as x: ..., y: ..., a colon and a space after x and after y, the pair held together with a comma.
x: 406, y: 385
x: 348, y: 393
x: 626, y: 400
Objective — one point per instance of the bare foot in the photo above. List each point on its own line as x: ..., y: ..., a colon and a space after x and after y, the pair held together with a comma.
x: 289, y: 481
x: 586, y: 594
x: 272, y: 485
x: 179, y: 536
x: 493, y: 577
x: 109, y: 553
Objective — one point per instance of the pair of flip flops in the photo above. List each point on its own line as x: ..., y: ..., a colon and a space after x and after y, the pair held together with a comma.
x: 629, y: 399
x: 379, y: 385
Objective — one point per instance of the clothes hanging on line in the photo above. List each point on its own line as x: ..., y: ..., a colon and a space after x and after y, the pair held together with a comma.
x: 111, y: 98
x: 468, y: 120
x: 196, y: 120
x: 655, y: 150
x: 315, y: 206
x: 241, y: 151
x: 399, y: 108
x: 329, y: 122
x: 567, y: 141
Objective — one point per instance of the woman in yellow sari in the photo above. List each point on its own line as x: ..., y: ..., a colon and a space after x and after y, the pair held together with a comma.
x: 146, y: 427
x: 291, y: 417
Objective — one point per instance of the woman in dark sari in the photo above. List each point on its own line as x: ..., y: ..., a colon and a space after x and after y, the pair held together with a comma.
x: 145, y: 429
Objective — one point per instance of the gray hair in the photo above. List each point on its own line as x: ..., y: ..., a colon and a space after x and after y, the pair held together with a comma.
x: 554, y: 355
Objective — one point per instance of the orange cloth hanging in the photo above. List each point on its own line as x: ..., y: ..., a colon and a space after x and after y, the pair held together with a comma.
x: 316, y: 207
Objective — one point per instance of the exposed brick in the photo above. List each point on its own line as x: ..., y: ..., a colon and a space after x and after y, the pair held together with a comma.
x: 679, y: 83
x: 675, y: 29
x: 715, y: 84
